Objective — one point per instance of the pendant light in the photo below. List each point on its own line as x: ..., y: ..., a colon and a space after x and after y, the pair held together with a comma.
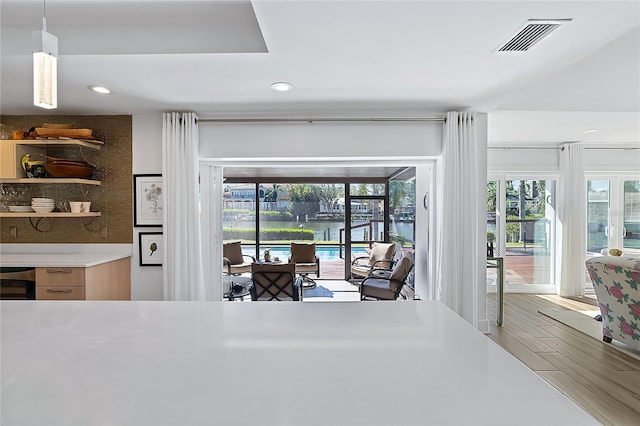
x: 45, y: 66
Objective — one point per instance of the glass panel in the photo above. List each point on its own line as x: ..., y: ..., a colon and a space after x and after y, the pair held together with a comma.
x: 356, y: 189
x: 367, y: 220
x: 631, y: 230
x: 239, y: 213
x: 529, y: 238
x: 304, y: 213
x: 402, y: 201
x: 492, y: 205
x: 277, y: 227
x: 598, y: 199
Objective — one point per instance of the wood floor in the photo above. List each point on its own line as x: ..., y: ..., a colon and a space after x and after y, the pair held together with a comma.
x: 603, y: 381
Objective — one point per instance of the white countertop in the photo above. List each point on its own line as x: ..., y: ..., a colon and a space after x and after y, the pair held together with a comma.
x: 264, y: 363
x: 61, y: 255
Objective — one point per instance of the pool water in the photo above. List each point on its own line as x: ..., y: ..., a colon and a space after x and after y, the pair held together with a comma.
x: 323, y: 252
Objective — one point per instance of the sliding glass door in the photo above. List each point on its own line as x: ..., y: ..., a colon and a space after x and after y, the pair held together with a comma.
x: 521, y: 222
x: 613, y: 214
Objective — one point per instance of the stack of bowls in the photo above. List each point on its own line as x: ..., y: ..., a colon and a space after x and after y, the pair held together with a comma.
x: 43, y: 205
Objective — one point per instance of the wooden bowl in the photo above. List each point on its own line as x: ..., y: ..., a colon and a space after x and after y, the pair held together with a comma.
x: 69, y: 170
x: 46, y: 132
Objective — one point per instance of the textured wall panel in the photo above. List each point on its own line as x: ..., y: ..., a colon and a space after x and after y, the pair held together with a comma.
x: 113, y: 198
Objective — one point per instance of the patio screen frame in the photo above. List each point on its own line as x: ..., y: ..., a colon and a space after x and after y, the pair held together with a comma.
x: 347, y: 182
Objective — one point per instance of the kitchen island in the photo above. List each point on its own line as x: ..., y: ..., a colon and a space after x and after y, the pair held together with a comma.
x: 267, y: 363
x: 74, y: 271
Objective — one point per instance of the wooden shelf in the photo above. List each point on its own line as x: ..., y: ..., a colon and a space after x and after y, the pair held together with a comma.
x: 51, y: 180
x: 93, y: 144
x: 52, y: 214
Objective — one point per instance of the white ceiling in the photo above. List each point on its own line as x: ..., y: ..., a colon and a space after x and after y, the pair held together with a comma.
x: 344, y: 58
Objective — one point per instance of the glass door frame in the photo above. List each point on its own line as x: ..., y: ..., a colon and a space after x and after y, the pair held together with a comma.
x: 347, y: 219
x: 501, y: 223
x: 616, y: 229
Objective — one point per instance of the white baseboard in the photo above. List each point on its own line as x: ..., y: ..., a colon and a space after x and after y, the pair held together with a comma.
x: 483, y: 326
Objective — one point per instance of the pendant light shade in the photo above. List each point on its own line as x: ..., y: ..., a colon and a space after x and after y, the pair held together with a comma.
x: 45, y: 68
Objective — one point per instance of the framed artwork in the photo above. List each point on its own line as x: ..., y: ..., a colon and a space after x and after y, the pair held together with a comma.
x: 147, y: 200
x: 150, y: 248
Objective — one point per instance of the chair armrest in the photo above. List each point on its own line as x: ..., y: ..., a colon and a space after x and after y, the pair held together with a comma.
x: 226, y: 262
x: 380, y: 273
x: 253, y: 259
x: 355, y: 260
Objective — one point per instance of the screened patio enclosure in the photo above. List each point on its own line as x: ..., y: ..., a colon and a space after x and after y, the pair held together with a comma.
x: 342, y: 215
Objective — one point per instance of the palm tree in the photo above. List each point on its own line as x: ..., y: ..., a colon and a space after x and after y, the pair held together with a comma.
x: 271, y: 196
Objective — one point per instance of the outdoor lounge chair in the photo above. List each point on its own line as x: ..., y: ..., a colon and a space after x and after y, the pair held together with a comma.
x: 303, y: 255
x: 380, y: 257
x: 234, y: 262
x: 387, y: 287
x: 275, y: 282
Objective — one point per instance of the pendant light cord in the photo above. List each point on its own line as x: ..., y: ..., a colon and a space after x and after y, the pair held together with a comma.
x: 44, y: 15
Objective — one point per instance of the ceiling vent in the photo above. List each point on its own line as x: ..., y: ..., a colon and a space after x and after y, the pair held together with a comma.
x: 532, y: 32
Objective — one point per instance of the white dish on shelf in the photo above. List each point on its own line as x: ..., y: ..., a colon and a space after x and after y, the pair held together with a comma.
x: 20, y: 209
x: 43, y: 209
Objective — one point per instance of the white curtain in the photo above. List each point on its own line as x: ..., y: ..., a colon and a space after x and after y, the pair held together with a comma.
x: 572, y: 220
x: 460, y: 214
x: 182, y: 266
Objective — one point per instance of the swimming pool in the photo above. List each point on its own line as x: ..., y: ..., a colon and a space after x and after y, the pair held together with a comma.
x: 323, y: 252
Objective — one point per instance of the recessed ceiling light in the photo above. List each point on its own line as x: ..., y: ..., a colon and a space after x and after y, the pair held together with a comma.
x: 281, y: 86
x: 590, y: 131
x: 99, y: 89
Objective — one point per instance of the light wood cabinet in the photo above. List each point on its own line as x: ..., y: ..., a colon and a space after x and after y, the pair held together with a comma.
x: 59, y: 293
x: 106, y: 281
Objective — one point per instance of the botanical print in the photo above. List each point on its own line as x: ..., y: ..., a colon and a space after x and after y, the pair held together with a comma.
x: 153, y: 195
x: 148, y: 200
x: 150, y: 248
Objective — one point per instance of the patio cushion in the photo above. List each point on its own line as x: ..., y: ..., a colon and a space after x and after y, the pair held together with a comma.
x: 303, y: 253
x: 380, y: 289
x: 233, y: 252
x: 381, y: 251
x: 402, y: 268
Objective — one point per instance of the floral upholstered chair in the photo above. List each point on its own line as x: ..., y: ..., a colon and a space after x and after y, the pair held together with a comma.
x: 616, y: 280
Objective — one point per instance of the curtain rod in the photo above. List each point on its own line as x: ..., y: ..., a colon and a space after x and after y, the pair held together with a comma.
x: 508, y: 148
x: 310, y: 120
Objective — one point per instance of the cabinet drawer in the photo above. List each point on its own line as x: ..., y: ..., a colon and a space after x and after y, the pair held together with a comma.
x: 59, y: 293
x: 52, y: 276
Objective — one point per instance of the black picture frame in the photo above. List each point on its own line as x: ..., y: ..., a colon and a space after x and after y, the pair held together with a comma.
x: 147, y: 200
x: 149, y: 254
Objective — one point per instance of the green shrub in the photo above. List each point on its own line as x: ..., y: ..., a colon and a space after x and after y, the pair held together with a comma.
x: 236, y: 211
x: 275, y: 215
x: 284, y: 234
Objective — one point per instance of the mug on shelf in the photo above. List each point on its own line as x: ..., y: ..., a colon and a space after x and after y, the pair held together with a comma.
x: 80, y: 206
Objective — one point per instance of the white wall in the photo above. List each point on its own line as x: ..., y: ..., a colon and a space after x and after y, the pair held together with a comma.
x: 320, y: 140
x: 146, y: 281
